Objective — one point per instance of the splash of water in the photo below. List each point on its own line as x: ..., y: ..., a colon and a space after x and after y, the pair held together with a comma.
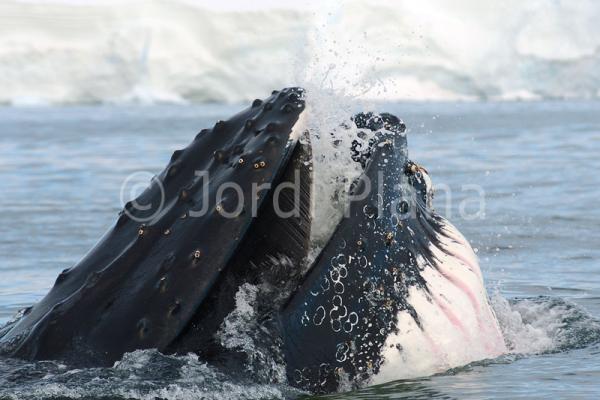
x: 544, y: 324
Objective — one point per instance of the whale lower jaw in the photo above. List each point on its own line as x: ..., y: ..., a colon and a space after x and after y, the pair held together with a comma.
x: 457, y: 324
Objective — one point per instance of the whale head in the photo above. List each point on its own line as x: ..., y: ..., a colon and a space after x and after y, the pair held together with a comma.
x: 394, y: 290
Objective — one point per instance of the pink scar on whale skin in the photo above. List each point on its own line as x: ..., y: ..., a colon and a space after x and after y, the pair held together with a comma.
x: 454, y: 320
x: 493, y: 338
x: 463, y: 287
x: 464, y: 260
x: 434, y: 347
x: 491, y: 345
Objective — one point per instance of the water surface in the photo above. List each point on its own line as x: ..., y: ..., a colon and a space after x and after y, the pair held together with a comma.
x: 62, y: 169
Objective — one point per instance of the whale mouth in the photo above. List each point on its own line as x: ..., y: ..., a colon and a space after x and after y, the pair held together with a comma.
x: 235, y: 206
x: 237, y: 214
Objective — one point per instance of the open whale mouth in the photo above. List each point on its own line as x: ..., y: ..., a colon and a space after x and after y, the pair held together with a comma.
x: 235, y: 207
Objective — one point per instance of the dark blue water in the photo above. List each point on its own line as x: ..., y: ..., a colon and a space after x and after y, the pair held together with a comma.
x: 520, y: 180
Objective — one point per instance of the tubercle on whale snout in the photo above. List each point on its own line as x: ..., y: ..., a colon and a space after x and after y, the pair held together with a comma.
x: 139, y: 276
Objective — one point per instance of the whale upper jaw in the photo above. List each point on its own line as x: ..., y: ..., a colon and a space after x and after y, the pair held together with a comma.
x: 157, y: 265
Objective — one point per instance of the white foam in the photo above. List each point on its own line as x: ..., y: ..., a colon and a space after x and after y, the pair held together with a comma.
x: 540, y: 325
x: 333, y: 167
x: 240, y: 331
x: 233, y: 333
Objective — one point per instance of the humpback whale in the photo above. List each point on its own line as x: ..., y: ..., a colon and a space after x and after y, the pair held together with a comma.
x: 395, y: 291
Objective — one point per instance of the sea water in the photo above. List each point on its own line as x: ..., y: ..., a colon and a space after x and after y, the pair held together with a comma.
x: 519, y: 179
